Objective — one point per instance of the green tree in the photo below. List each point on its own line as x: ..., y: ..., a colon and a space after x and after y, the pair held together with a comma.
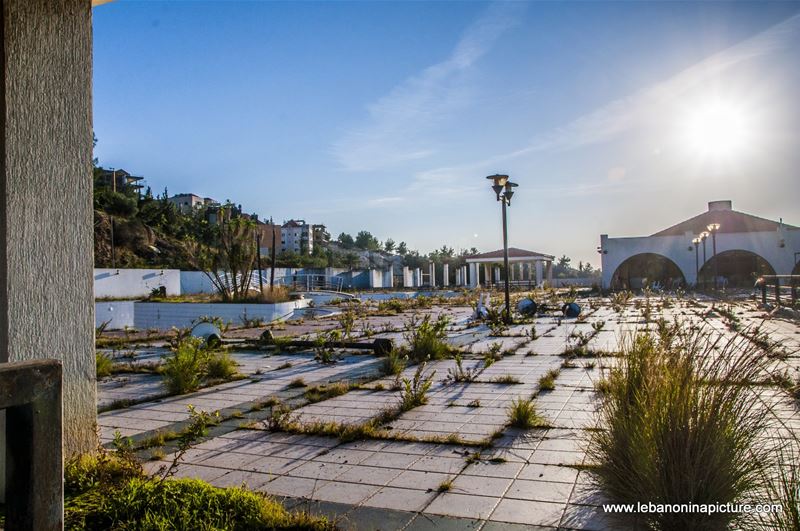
x: 351, y: 260
x: 402, y: 249
x: 388, y: 246
x: 229, y: 262
x: 365, y: 240
x: 346, y: 241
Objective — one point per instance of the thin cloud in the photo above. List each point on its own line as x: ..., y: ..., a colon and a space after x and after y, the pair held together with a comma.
x: 397, y: 121
x: 622, y: 115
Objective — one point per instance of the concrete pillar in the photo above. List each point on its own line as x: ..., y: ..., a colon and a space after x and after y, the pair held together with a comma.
x: 408, y: 280
x: 538, y: 272
x: 46, y: 216
x: 496, y: 275
x: 432, y: 274
x: 417, y: 277
x: 446, y: 275
x: 473, y: 275
x: 487, y: 274
x: 46, y: 244
x: 375, y: 278
x: 549, y: 269
x: 389, y: 282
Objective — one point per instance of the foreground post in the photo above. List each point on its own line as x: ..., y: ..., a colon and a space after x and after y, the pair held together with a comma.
x: 30, y: 392
x: 504, y: 190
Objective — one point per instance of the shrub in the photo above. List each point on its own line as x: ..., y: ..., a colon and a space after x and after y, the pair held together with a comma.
x: 324, y: 352
x: 184, y: 369
x: 783, y: 488
x: 679, y: 424
x: 445, y: 485
x: 548, y: 380
x: 507, y: 379
x: 220, y: 365
x: 394, y: 363
x: 426, y: 338
x: 274, y: 295
x: 522, y: 414
x: 103, y: 364
x: 144, y: 503
x: 412, y: 393
x: 460, y: 374
x: 318, y: 393
x: 391, y: 306
x: 493, y: 354
x: 347, y: 320
x: 297, y: 382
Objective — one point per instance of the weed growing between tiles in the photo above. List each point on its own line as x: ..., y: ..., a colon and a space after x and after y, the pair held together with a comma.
x: 522, y: 414
x: 192, y: 364
x: 548, y: 380
x: 679, y: 426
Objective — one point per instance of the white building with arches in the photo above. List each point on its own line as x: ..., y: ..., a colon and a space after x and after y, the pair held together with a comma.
x: 746, y: 246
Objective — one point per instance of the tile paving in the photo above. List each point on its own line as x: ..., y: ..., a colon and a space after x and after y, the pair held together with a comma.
x: 524, y: 480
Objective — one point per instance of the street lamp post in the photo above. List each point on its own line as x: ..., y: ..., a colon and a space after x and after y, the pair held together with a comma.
x: 113, y: 249
x: 504, y: 190
x: 703, y: 237
x: 713, y: 228
x: 696, y: 243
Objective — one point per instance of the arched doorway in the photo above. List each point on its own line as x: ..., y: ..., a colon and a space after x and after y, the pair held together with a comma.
x: 738, y: 269
x: 647, y: 269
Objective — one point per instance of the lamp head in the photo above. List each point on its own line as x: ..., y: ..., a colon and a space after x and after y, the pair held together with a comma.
x: 498, y: 179
x: 497, y: 189
x: 704, y: 235
x: 509, y: 191
x: 713, y: 227
x: 696, y: 241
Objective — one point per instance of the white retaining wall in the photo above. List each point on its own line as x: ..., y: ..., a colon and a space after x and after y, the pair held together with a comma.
x: 126, y: 283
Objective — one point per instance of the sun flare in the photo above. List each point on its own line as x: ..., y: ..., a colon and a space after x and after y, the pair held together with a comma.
x: 717, y: 129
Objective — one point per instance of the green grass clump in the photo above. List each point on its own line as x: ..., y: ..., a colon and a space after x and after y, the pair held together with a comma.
x: 426, y: 338
x: 297, y: 382
x: 394, y: 363
x: 103, y: 364
x: 191, y: 363
x: 679, y: 424
x: 413, y: 391
x: 184, y: 368
x: 318, y: 393
x: 110, y: 493
x: 221, y: 366
x: 548, y: 380
x: 522, y: 414
x: 507, y: 379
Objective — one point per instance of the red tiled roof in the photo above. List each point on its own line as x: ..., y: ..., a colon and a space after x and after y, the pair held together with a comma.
x: 513, y: 252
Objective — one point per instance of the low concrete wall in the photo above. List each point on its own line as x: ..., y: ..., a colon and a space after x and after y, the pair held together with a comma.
x: 577, y: 282
x: 120, y: 314
x: 165, y: 315
x: 122, y: 283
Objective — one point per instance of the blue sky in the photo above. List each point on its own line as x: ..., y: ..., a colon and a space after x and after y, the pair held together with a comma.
x: 620, y: 118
